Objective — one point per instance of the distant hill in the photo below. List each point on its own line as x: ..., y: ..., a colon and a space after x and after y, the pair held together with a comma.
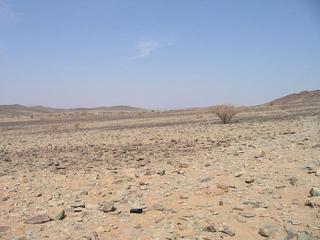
x: 20, y: 109
x: 123, y: 108
x: 305, y: 98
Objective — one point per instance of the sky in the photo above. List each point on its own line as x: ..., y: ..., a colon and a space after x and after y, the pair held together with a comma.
x: 159, y: 54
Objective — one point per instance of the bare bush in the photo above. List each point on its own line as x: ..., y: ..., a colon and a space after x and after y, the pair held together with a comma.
x: 76, y: 126
x: 227, y: 112
x: 55, y: 128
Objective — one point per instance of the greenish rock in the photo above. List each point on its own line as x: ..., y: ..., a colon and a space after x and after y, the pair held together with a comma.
x: 306, y: 236
x: 314, y: 192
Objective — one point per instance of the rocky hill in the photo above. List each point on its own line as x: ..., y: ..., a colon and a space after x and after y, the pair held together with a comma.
x: 303, y: 98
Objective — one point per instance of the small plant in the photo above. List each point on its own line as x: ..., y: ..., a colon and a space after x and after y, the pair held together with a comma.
x: 227, y: 112
x: 55, y: 128
x: 77, y: 126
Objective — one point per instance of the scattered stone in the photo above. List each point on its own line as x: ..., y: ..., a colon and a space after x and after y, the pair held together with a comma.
x: 78, y: 219
x: 183, y: 197
x: 136, y: 210
x: 307, y: 236
x: 116, y: 212
x: 223, y: 187
x: 38, y: 219
x: 239, y: 174
x: 314, y: 192
x: 267, y: 230
x: 210, y: 228
x: 250, y: 180
x: 158, y: 207
x: 78, y: 204
x: 257, y: 204
x: 78, y: 209
x: 107, y: 207
x: 318, y: 173
x: 144, y: 187
x: 162, y: 172
x: 207, y: 179
x: 293, y: 181
x: 226, y: 230
x: 247, y: 214
x: 100, y: 229
x: 184, y: 165
x: 291, y: 235
x: 295, y: 222
x: 56, y: 213
x: 313, y: 202
x: 240, y: 219
x: 238, y: 208
x: 260, y: 155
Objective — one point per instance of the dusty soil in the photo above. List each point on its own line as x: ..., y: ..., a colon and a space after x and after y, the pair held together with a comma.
x: 193, y: 177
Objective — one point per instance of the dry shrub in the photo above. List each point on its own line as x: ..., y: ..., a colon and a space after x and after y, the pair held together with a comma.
x: 227, y: 112
x: 55, y: 128
x: 77, y: 126
x: 199, y: 116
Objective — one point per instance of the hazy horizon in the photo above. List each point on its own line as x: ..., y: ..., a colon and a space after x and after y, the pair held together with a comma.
x: 157, y: 54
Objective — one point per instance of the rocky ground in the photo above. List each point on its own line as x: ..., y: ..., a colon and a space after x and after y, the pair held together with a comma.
x: 174, y: 177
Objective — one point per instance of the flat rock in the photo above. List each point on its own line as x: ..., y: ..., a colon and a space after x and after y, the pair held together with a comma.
x: 247, y: 214
x: 226, y: 230
x: 3, y: 229
x: 78, y: 204
x: 158, y: 207
x: 107, y: 207
x: 38, y: 219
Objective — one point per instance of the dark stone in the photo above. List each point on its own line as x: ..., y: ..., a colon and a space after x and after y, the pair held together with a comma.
x: 162, y: 172
x: 136, y: 210
x: 210, y: 228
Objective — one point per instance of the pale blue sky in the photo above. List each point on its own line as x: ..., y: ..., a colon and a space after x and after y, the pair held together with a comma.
x: 157, y: 54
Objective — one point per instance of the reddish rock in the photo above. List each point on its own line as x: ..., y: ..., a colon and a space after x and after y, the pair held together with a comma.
x: 3, y: 228
x: 38, y: 219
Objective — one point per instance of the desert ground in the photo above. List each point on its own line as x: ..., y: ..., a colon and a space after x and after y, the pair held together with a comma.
x: 77, y: 176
